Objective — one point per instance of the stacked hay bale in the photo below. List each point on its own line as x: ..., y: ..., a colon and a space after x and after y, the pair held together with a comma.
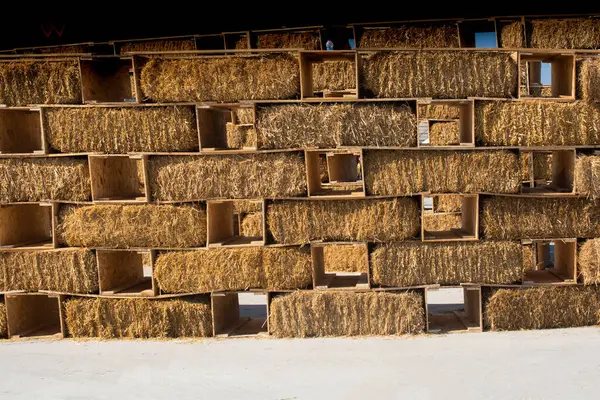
x: 350, y: 260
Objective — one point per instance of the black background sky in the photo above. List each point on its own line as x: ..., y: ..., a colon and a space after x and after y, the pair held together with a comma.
x: 31, y: 25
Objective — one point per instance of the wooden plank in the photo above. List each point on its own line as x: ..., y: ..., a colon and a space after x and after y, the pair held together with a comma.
x: 225, y: 311
x: 30, y: 313
x: 25, y: 223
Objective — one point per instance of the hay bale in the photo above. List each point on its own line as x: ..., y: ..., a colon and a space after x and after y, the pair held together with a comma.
x: 67, y: 49
x: 246, y: 206
x: 212, y: 270
x: 333, y: 75
x: 67, y: 270
x: 542, y: 308
x: 413, y: 263
x: 539, y: 218
x: 238, y: 176
x: 373, y: 220
x: 448, y: 203
x: 526, y: 168
x: 536, y: 123
x: 121, y: 129
x: 511, y: 36
x: 316, y: 314
x: 588, y: 261
x: 24, y: 82
x: 244, y: 115
x: 587, y: 176
x: 252, y: 225
x: 571, y: 33
x: 223, y: 79
x: 528, y: 258
x: 542, y: 166
x: 289, y: 40
x: 345, y: 258
x: 399, y: 172
x: 333, y: 125
x: 589, y: 79
x: 241, y: 43
x: 3, y: 323
x: 38, y: 179
x: 239, y: 136
x: 157, y: 45
x: 444, y: 133
x: 441, y: 222
x: 138, y: 318
x: 379, y: 125
x: 145, y: 226
x: 411, y: 36
x: 439, y: 111
x: 440, y: 74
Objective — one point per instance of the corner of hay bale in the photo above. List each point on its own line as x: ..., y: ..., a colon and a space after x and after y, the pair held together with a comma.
x: 138, y: 318
x: 318, y: 314
x: 240, y: 136
x: 256, y: 77
x: 446, y: 263
x: 34, y: 81
x: 252, y: 224
x: 302, y: 221
x: 588, y: 261
x: 65, y: 270
x: 3, y: 323
x: 587, y: 176
x: 589, y: 78
x: 345, y: 258
x: 511, y: 35
x: 542, y: 308
x: 142, y: 226
x: 444, y: 133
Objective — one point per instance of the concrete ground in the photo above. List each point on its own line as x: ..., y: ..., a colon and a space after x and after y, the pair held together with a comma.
x: 552, y: 364
x: 558, y: 364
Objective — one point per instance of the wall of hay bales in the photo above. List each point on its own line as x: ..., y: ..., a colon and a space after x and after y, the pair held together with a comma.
x: 141, y: 226
x: 509, y: 218
x: 318, y: 314
x: 213, y: 270
x: 65, y: 270
x: 442, y: 75
x: 266, y: 175
x: 44, y: 178
x: 117, y: 130
x: 338, y: 124
x: 414, y: 263
x: 400, y: 173
x: 542, y: 308
x: 138, y: 318
x: 249, y: 77
x: 374, y: 220
x: 35, y: 81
